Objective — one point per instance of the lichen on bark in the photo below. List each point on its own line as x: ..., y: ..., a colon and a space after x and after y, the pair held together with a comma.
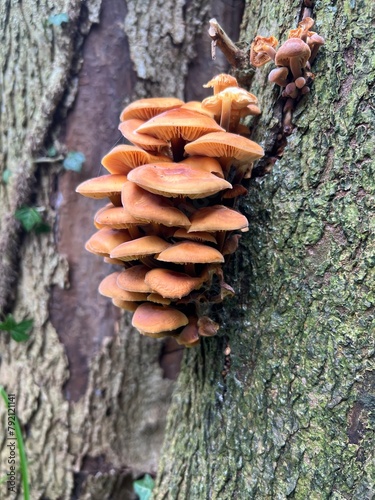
x: 292, y: 418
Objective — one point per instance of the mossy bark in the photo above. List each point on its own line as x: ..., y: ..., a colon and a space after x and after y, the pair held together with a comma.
x: 91, y: 393
x: 289, y: 413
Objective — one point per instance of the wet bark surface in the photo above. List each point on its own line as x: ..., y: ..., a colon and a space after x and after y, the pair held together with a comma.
x: 288, y: 413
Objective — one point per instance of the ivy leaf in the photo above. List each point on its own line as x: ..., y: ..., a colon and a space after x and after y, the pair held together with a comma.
x: 58, y: 19
x: 6, y: 175
x: 29, y: 217
x: 74, y: 161
x: 31, y: 220
x: 143, y: 487
x: 18, y: 331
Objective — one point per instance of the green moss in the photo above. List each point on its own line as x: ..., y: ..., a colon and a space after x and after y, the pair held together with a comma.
x: 300, y: 327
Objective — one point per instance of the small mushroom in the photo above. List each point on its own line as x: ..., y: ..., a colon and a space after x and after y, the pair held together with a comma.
x: 217, y: 218
x: 221, y: 82
x: 105, y: 186
x: 189, y: 336
x: 139, y: 248
x: 314, y: 41
x: 172, y: 284
x: 190, y: 252
x: 279, y: 76
x: 151, y: 208
x: 178, y: 126
x: 177, y: 179
x: 128, y: 128
x: 303, y: 29
x: 105, y: 240
x: 262, y: 50
x: 293, y: 53
x: 109, y: 288
x: 230, y: 149
x: 153, y: 319
x: 116, y: 218
x: 291, y: 90
x: 207, y: 327
x: 123, y: 158
x: 228, y: 104
x: 144, y: 109
x: 133, y: 279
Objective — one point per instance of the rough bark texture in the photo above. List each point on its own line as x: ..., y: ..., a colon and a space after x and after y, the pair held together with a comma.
x: 92, y: 394
x: 292, y: 416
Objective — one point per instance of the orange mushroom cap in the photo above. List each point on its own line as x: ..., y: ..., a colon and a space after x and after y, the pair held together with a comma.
x: 144, y: 109
x: 109, y: 288
x: 105, y: 240
x: 123, y: 158
x: 293, y: 53
x: 221, y: 82
x: 177, y: 179
x: 204, y: 163
x: 262, y: 50
x: 148, y: 207
x: 171, y: 284
x: 114, y: 217
x: 190, y: 252
x: 188, y: 125
x: 138, y: 248
x: 128, y: 128
x: 150, y: 318
x: 189, y: 336
x: 133, y: 279
x: 217, y: 218
x: 228, y: 145
x: 197, y: 107
x: 104, y: 186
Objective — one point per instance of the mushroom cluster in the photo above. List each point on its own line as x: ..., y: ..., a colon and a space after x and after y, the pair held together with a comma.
x: 170, y: 222
x: 293, y: 58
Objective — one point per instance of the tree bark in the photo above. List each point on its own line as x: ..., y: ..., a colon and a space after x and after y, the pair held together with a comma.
x: 289, y: 413
x: 91, y: 394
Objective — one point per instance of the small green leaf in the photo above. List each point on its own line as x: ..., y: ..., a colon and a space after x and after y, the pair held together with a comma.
x: 18, y: 331
x: 58, y: 19
x: 143, y: 487
x: 6, y: 176
x: 74, y: 161
x: 29, y: 218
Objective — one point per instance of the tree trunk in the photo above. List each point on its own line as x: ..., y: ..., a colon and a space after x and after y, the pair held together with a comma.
x: 91, y: 394
x: 289, y: 413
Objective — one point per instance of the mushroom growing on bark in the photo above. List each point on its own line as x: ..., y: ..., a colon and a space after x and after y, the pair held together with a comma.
x: 171, y: 222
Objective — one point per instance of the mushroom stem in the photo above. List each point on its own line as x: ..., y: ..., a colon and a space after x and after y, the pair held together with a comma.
x: 134, y: 232
x: 225, y: 113
x: 148, y: 261
x: 190, y: 269
x: 220, y: 238
x: 178, y: 145
x: 288, y: 113
x: 270, y: 51
x: 295, y: 67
